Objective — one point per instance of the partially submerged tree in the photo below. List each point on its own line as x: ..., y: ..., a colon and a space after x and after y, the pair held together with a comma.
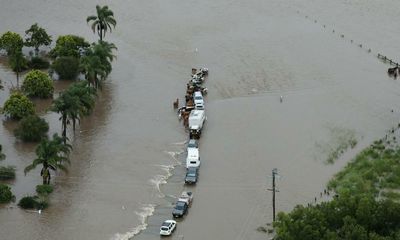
x: 32, y: 128
x: 36, y: 37
x: 11, y: 42
x: 66, y: 67
x: 51, y: 155
x: 69, y: 45
x: 18, y: 106
x: 2, y: 155
x: 18, y: 63
x: 38, y: 84
x: 103, y: 21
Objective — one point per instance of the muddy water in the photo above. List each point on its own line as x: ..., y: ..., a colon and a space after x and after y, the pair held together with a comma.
x: 132, y: 144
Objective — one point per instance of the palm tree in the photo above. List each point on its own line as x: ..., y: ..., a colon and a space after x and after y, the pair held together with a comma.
x: 104, y: 51
x: 103, y: 21
x: 52, y: 155
x: 86, y: 95
x: 68, y: 106
x: 93, y: 68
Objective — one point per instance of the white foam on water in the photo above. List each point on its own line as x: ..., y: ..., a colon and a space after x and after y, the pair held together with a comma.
x: 159, y: 180
x: 147, y: 211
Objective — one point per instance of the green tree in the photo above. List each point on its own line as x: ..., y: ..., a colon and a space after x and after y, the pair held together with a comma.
x: 66, y: 67
x: 7, y: 172
x: 86, y: 95
x: 103, y: 21
x: 36, y: 37
x: 51, y: 155
x: 69, y: 45
x: 104, y: 51
x: 32, y: 128
x: 18, y: 106
x: 38, y: 84
x: 11, y: 42
x: 95, y: 72
x: 67, y: 105
x: 18, y: 63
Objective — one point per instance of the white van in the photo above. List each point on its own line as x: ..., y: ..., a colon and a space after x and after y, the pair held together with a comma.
x: 196, y: 119
x: 193, y: 158
x: 198, y: 100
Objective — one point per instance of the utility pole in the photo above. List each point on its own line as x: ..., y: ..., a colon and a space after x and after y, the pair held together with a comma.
x: 274, y: 173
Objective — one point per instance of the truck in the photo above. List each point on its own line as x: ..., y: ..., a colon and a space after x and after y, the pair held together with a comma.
x: 197, y: 118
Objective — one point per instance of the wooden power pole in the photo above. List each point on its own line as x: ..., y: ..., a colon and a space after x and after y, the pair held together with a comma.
x: 274, y: 173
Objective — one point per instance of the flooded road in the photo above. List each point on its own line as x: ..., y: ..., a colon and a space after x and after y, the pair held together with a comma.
x: 127, y: 162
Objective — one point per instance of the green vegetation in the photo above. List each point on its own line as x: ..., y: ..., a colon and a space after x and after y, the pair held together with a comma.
x: 44, y: 190
x: 6, y: 195
x: 11, y: 42
x: 102, y: 21
x: 33, y: 202
x: 38, y: 63
x: 32, y: 129
x: 36, y: 37
x: 52, y: 155
x: 66, y: 67
x: 18, y: 106
x: 38, y: 84
x: 348, y: 216
x: 7, y: 173
x: 69, y: 46
x: 375, y: 170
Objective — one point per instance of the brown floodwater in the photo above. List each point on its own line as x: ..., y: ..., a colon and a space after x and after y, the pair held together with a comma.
x: 127, y: 166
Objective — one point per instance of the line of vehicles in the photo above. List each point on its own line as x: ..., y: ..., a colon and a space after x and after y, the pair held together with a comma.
x: 193, y: 114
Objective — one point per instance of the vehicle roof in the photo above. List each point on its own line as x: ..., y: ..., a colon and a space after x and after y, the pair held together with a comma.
x: 198, y: 93
x: 196, y: 112
x: 192, y: 169
x: 193, y: 152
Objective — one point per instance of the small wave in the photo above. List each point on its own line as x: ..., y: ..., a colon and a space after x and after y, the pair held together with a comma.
x: 174, y: 156
x: 146, y: 212
x: 159, y: 180
x: 180, y: 143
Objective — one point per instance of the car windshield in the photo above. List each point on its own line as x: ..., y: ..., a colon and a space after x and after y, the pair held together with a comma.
x: 191, y: 175
x: 164, y: 228
x: 198, y: 97
x: 166, y: 224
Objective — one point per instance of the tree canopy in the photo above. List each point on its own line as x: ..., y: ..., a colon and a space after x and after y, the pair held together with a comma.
x: 36, y: 37
x: 69, y: 45
x: 32, y: 128
x: 38, y: 84
x: 103, y: 21
x: 18, y: 106
x: 11, y: 42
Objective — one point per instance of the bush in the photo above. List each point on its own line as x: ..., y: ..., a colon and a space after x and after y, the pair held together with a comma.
x: 28, y: 202
x: 7, y: 173
x: 6, y: 195
x: 31, y: 202
x: 32, y: 129
x: 38, y: 63
x: 18, y: 106
x: 38, y: 84
x: 66, y: 67
x: 44, y: 190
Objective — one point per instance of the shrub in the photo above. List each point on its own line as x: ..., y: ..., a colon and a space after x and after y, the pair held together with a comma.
x: 66, y: 67
x: 6, y: 195
x: 7, y: 173
x: 31, y: 202
x: 18, y: 106
x: 38, y: 84
x: 32, y: 129
x: 44, y: 190
x: 38, y: 63
x: 28, y: 202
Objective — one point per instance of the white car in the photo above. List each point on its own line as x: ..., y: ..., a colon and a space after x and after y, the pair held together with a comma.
x: 186, y: 197
x: 167, y: 227
x: 198, y: 100
x: 193, y: 158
